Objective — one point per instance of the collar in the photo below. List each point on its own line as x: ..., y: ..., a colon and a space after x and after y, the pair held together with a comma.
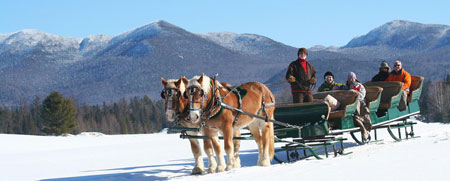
x: 328, y: 84
x: 302, y: 60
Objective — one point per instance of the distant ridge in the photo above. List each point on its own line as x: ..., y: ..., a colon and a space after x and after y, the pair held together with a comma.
x: 405, y: 35
x: 101, y: 68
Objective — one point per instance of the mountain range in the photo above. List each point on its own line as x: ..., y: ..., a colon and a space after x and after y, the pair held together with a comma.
x: 103, y: 68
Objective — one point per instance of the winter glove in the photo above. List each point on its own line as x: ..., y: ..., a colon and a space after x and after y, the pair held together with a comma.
x: 312, y: 80
x: 291, y: 79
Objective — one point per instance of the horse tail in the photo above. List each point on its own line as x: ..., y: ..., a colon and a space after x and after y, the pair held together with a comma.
x: 270, y: 124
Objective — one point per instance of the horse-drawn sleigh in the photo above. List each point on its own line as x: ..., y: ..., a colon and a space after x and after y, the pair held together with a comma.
x: 204, y: 105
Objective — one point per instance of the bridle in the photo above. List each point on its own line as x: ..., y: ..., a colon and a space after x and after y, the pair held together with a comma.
x: 172, y: 95
x: 212, y: 104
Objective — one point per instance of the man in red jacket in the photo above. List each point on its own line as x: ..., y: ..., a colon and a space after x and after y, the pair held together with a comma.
x: 302, y: 77
x: 399, y: 74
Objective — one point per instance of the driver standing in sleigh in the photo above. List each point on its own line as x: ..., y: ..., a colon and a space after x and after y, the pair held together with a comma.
x: 302, y: 77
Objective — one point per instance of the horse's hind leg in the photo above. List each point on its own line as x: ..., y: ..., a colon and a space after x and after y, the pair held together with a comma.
x: 196, y: 151
x: 237, y: 145
x: 265, y: 159
x: 254, y: 129
x: 229, y: 147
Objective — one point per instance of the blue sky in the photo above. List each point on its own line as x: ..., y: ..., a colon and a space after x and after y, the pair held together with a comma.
x: 295, y: 23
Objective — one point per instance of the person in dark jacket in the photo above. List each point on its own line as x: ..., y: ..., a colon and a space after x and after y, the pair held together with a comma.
x: 329, y: 83
x: 302, y: 77
x: 383, y: 74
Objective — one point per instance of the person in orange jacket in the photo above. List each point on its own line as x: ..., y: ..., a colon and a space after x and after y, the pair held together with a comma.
x: 400, y: 74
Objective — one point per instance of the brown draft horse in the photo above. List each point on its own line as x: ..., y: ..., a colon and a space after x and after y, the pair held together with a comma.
x: 206, y: 96
x: 175, y: 106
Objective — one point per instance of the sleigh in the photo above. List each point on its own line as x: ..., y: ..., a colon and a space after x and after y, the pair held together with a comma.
x: 307, y: 129
x: 322, y: 127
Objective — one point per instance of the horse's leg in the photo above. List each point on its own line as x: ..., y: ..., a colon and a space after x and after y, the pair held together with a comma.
x: 237, y: 145
x: 219, y: 154
x: 254, y: 129
x: 196, y: 151
x: 228, y: 142
x: 265, y: 159
x: 209, y: 152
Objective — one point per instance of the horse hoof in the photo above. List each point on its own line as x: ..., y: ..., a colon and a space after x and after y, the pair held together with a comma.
x: 220, y: 168
x: 211, y: 170
x: 197, y: 171
x: 264, y: 163
x: 237, y: 163
x: 229, y: 167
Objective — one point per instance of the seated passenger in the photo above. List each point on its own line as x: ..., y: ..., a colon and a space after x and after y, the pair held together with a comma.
x: 361, y: 117
x: 399, y: 74
x: 329, y: 83
x: 357, y: 86
x: 383, y: 73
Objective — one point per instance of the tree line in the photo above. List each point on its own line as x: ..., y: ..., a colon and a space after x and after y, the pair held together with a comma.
x: 435, y: 101
x: 59, y: 115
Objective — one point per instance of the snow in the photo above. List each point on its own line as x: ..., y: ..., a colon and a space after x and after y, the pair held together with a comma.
x: 94, y: 43
x: 248, y: 43
x: 161, y: 156
x: 4, y: 36
x: 139, y: 33
x: 29, y: 38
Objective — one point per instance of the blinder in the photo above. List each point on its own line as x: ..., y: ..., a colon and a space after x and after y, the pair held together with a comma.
x: 169, y: 91
x: 163, y: 94
x: 185, y: 95
x: 191, y: 90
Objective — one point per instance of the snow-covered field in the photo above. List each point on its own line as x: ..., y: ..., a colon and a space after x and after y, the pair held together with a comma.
x: 162, y: 156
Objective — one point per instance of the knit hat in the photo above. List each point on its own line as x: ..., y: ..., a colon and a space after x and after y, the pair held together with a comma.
x: 327, y: 74
x: 351, y: 75
x: 384, y: 64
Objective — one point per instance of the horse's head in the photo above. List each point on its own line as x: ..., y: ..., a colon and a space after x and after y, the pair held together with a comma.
x: 173, y: 89
x: 198, y: 93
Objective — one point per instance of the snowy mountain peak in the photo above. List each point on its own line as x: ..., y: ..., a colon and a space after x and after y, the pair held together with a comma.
x: 249, y: 43
x: 402, y: 34
x: 28, y: 39
x: 93, y: 43
x: 233, y: 37
x: 140, y: 33
x: 400, y: 23
x: 4, y: 36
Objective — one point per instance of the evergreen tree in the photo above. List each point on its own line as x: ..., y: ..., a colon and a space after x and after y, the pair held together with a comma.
x: 36, y: 114
x: 58, y: 115
x: 447, y: 81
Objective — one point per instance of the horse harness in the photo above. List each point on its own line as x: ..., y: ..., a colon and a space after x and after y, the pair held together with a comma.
x: 170, y: 92
x: 212, y: 107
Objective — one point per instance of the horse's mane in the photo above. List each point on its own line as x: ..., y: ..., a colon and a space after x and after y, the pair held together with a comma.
x: 206, y: 83
x: 171, y: 84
